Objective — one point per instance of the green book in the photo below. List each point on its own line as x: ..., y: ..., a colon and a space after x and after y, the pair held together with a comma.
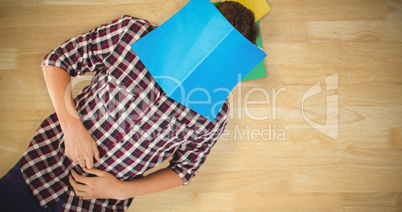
x: 259, y: 70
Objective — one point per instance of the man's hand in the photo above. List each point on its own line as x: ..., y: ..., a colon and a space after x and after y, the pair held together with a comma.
x: 80, y: 147
x: 103, y: 186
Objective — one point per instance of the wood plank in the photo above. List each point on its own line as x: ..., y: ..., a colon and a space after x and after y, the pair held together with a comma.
x: 269, y: 158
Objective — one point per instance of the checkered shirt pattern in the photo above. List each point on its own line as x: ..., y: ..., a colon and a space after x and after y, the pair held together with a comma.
x: 135, y: 125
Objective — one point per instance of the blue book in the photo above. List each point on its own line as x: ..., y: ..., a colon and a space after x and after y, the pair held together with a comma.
x: 197, y: 57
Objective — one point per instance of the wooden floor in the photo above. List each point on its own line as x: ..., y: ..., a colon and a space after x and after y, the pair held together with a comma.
x: 278, y: 163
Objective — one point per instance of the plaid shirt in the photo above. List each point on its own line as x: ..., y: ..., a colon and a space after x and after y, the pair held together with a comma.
x: 135, y: 125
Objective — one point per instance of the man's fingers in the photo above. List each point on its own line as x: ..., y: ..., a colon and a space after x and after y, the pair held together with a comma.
x: 94, y: 171
x: 75, y: 161
x: 78, y: 178
x: 79, y: 189
x: 76, y: 186
x: 96, y: 152
x: 82, y: 163
x: 89, y: 163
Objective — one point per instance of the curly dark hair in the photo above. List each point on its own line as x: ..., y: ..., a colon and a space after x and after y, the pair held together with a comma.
x: 241, y: 18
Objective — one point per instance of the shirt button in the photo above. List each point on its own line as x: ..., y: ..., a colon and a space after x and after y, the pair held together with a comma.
x: 139, y: 123
x: 121, y: 141
x: 157, y: 104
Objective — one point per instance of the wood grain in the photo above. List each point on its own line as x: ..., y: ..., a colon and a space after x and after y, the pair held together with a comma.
x: 278, y: 163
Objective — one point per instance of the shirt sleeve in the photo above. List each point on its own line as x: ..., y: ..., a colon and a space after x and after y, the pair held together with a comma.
x: 85, y: 52
x: 189, y: 157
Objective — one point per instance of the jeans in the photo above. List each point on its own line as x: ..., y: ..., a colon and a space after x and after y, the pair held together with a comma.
x: 15, y: 196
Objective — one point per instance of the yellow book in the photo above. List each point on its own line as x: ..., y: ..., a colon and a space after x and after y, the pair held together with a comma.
x: 259, y: 7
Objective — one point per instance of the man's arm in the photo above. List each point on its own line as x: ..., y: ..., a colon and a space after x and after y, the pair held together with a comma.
x: 160, y: 180
x: 75, y: 57
x: 80, y: 146
x: 106, y: 186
